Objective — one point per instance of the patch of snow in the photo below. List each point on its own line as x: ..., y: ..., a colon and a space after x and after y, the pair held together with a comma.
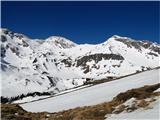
x: 129, y: 102
x: 158, y: 90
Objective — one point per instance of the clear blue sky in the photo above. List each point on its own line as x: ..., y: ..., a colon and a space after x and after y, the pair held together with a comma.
x: 83, y: 22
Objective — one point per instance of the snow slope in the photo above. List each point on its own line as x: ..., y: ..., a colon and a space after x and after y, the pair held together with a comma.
x: 95, y: 94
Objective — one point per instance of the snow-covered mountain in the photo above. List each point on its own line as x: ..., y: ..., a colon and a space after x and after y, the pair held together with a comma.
x: 56, y: 64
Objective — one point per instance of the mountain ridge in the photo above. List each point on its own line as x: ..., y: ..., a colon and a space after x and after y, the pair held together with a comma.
x: 57, y: 64
x: 6, y: 30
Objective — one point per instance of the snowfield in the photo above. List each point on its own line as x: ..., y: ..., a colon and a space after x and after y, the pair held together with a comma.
x: 95, y: 94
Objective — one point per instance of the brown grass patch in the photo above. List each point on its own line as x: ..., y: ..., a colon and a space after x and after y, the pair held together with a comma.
x: 120, y: 109
x: 143, y: 103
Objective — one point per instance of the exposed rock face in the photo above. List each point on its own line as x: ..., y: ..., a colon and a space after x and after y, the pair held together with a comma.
x: 67, y: 62
x: 3, y: 38
x: 15, y: 50
x: 139, y: 44
x: 3, y: 51
x: 12, y: 34
x: 155, y: 49
x: 97, y: 57
x: 150, y: 53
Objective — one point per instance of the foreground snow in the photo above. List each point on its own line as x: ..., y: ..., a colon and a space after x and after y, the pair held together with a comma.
x: 93, y: 95
x: 149, y: 113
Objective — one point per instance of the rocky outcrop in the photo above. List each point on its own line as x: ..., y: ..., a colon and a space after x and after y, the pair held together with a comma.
x: 97, y: 57
x: 139, y: 44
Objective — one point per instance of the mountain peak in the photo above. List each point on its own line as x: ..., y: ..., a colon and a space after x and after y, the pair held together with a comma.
x: 61, y: 42
x: 116, y: 36
x: 121, y: 38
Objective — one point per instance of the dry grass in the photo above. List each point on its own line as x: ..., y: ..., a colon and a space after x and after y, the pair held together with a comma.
x: 139, y: 93
x: 143, y: 103
x: 120, y: 109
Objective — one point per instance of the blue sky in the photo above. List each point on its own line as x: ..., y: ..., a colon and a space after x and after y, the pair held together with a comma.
x: 83, y: 22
